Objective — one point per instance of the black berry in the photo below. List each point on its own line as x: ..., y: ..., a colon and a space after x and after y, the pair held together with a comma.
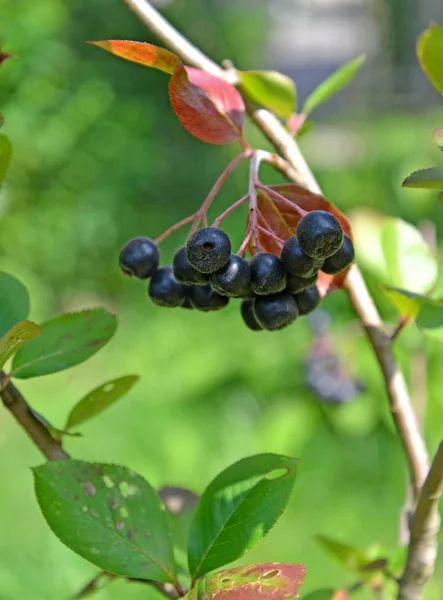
x: 319, y: 234
x: 247, y: 313
x: 165, y: 290
x: 298, y: 284
x: 341, y: 259
x: 232, y: 279
x: 184, y: 272
x: 275, y: 311
x: 307, y: 300
x: 208, y: 249
x: 268, y: 275
x: 203, y: 297
x: 140, y: 257
x: 298, y: 262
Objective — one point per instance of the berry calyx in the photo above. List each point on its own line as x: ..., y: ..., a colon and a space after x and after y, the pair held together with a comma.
x: 319, y: 234
x: 165, y: 290
x: 233, y: 278
x: 307, y: 300
x: 275, y: 311
x: 184, y: 272
x: 203, y: 297
x: 296, y: 261
x: 248, y: 316
x: 298, y: 284
x: 140, y: 257
x: 268, y: 275
x: 208, y: 249
x: 341, y: 259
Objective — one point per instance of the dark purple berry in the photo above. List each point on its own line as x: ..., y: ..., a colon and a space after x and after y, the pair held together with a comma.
x: 232, y: 279
x: 165, y: 290
x: 203, y: 297
x: 319, y: 234
x: 297, y: 284
x: 184, y: 272
x: 341, y: 259
x: 268, y: 275
x: 275, y: 311
x: 307, y: 300
x: 140, y: 257
x: 208, y: 249
x: 296, y: 261
x: 247, y: 313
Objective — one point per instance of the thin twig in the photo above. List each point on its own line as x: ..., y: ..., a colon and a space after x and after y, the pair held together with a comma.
x: 228, y: 211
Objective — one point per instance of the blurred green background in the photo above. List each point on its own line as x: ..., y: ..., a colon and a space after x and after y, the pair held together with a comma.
x: 99, y: 157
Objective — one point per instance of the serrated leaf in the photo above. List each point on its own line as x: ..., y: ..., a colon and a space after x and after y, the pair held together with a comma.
x: 352, y: 558
x: 14, y: 302
x: 5, y: 156
x: 283, y: 219
x: 237, y: 510
x: 67, y: 340
x: 270, y: 89
x: 208, y: 107
x: 19, y: 335
x: 181, y: 504
x: 410, y: 262
x: 109, y: 515
x: 327, y: 594
x: 99, y: 399
x: 333, y: 84
x: 430, y: 55
x: 438, y: 137
x: 407, y: 303
x: 266, y: 581
x: 428, y: 179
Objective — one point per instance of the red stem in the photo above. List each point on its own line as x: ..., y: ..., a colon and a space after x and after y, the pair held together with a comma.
x: 242, y: 249
x: 270, y: 234
x: 224, y: 214
x: 181, y: 223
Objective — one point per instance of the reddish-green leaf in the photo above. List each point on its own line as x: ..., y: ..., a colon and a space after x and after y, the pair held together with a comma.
x: 352, y: 558
x: 209, y: 107
x: 19, y: 335
x: 262, y: 581
x: 327, y: 594
x: 283, y: 218
x: 430, y: 54
x: 429, y: 179
x: 270, y: 89
x: 407, y: 303
x: 438, y: 137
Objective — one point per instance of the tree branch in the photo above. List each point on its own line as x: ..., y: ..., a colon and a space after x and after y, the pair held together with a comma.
x: 425, y: 524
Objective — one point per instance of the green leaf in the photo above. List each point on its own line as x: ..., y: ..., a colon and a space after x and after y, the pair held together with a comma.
x: 353, y: 559
x: 99, y: 399
x: 438, y: 137
x: 237, y: 510
x: 271, y: 89
x: 428, y: 179
x: 19, y: 335
x: 66, y: 341
x: 430, y: 55
x: 407, y: 303
x: 431, y: 315
x: 5, y: 156
x: 181, y: 504
x: 109, y: 515
x: 14, y: 302
x: 265, y: 581
x: 333, y: 84
x: 307, y: 127
x: 410, y: 262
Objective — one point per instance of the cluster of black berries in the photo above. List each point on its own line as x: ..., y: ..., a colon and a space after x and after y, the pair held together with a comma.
x: 275, y: 291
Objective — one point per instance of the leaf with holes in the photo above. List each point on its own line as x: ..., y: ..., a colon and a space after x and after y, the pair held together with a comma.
x: 327, y: 594
x: 99, y: 399
x: 14, y: 302
x: 428, y: 179
x: 237, y: 510
x: 266, y: 581
x: 352, y: 558
x: 270, y: 89
x: 66, y: 341
x: 208, y: 107
x: 430, y: 55
x: 181, y: 504
x: 109, y: 515
x: 333, y: 84
x: 19, y: 335
x: 281, y: 212
x: 5, y: 156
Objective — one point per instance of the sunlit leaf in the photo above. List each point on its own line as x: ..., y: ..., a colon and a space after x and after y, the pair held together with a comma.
x: 262, y: 581
x: 19, y: 335
x: 5, y: 156
x: 237, y: 510
x: 431, y: 178
x: 430, y: 54
x: 354, y: 559
x: 67, y: 340
x: 14, y: 302
x: 407, y: 303
x: 333, y: 84
x: 109, y: 515
x: 271, y: 89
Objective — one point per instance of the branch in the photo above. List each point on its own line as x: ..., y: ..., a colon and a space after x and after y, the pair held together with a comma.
x: 425, y: 524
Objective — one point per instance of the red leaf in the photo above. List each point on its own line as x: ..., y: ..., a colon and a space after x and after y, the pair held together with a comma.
x: 209, y: 107
x: 265, y: 581
x: 283, y: 220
